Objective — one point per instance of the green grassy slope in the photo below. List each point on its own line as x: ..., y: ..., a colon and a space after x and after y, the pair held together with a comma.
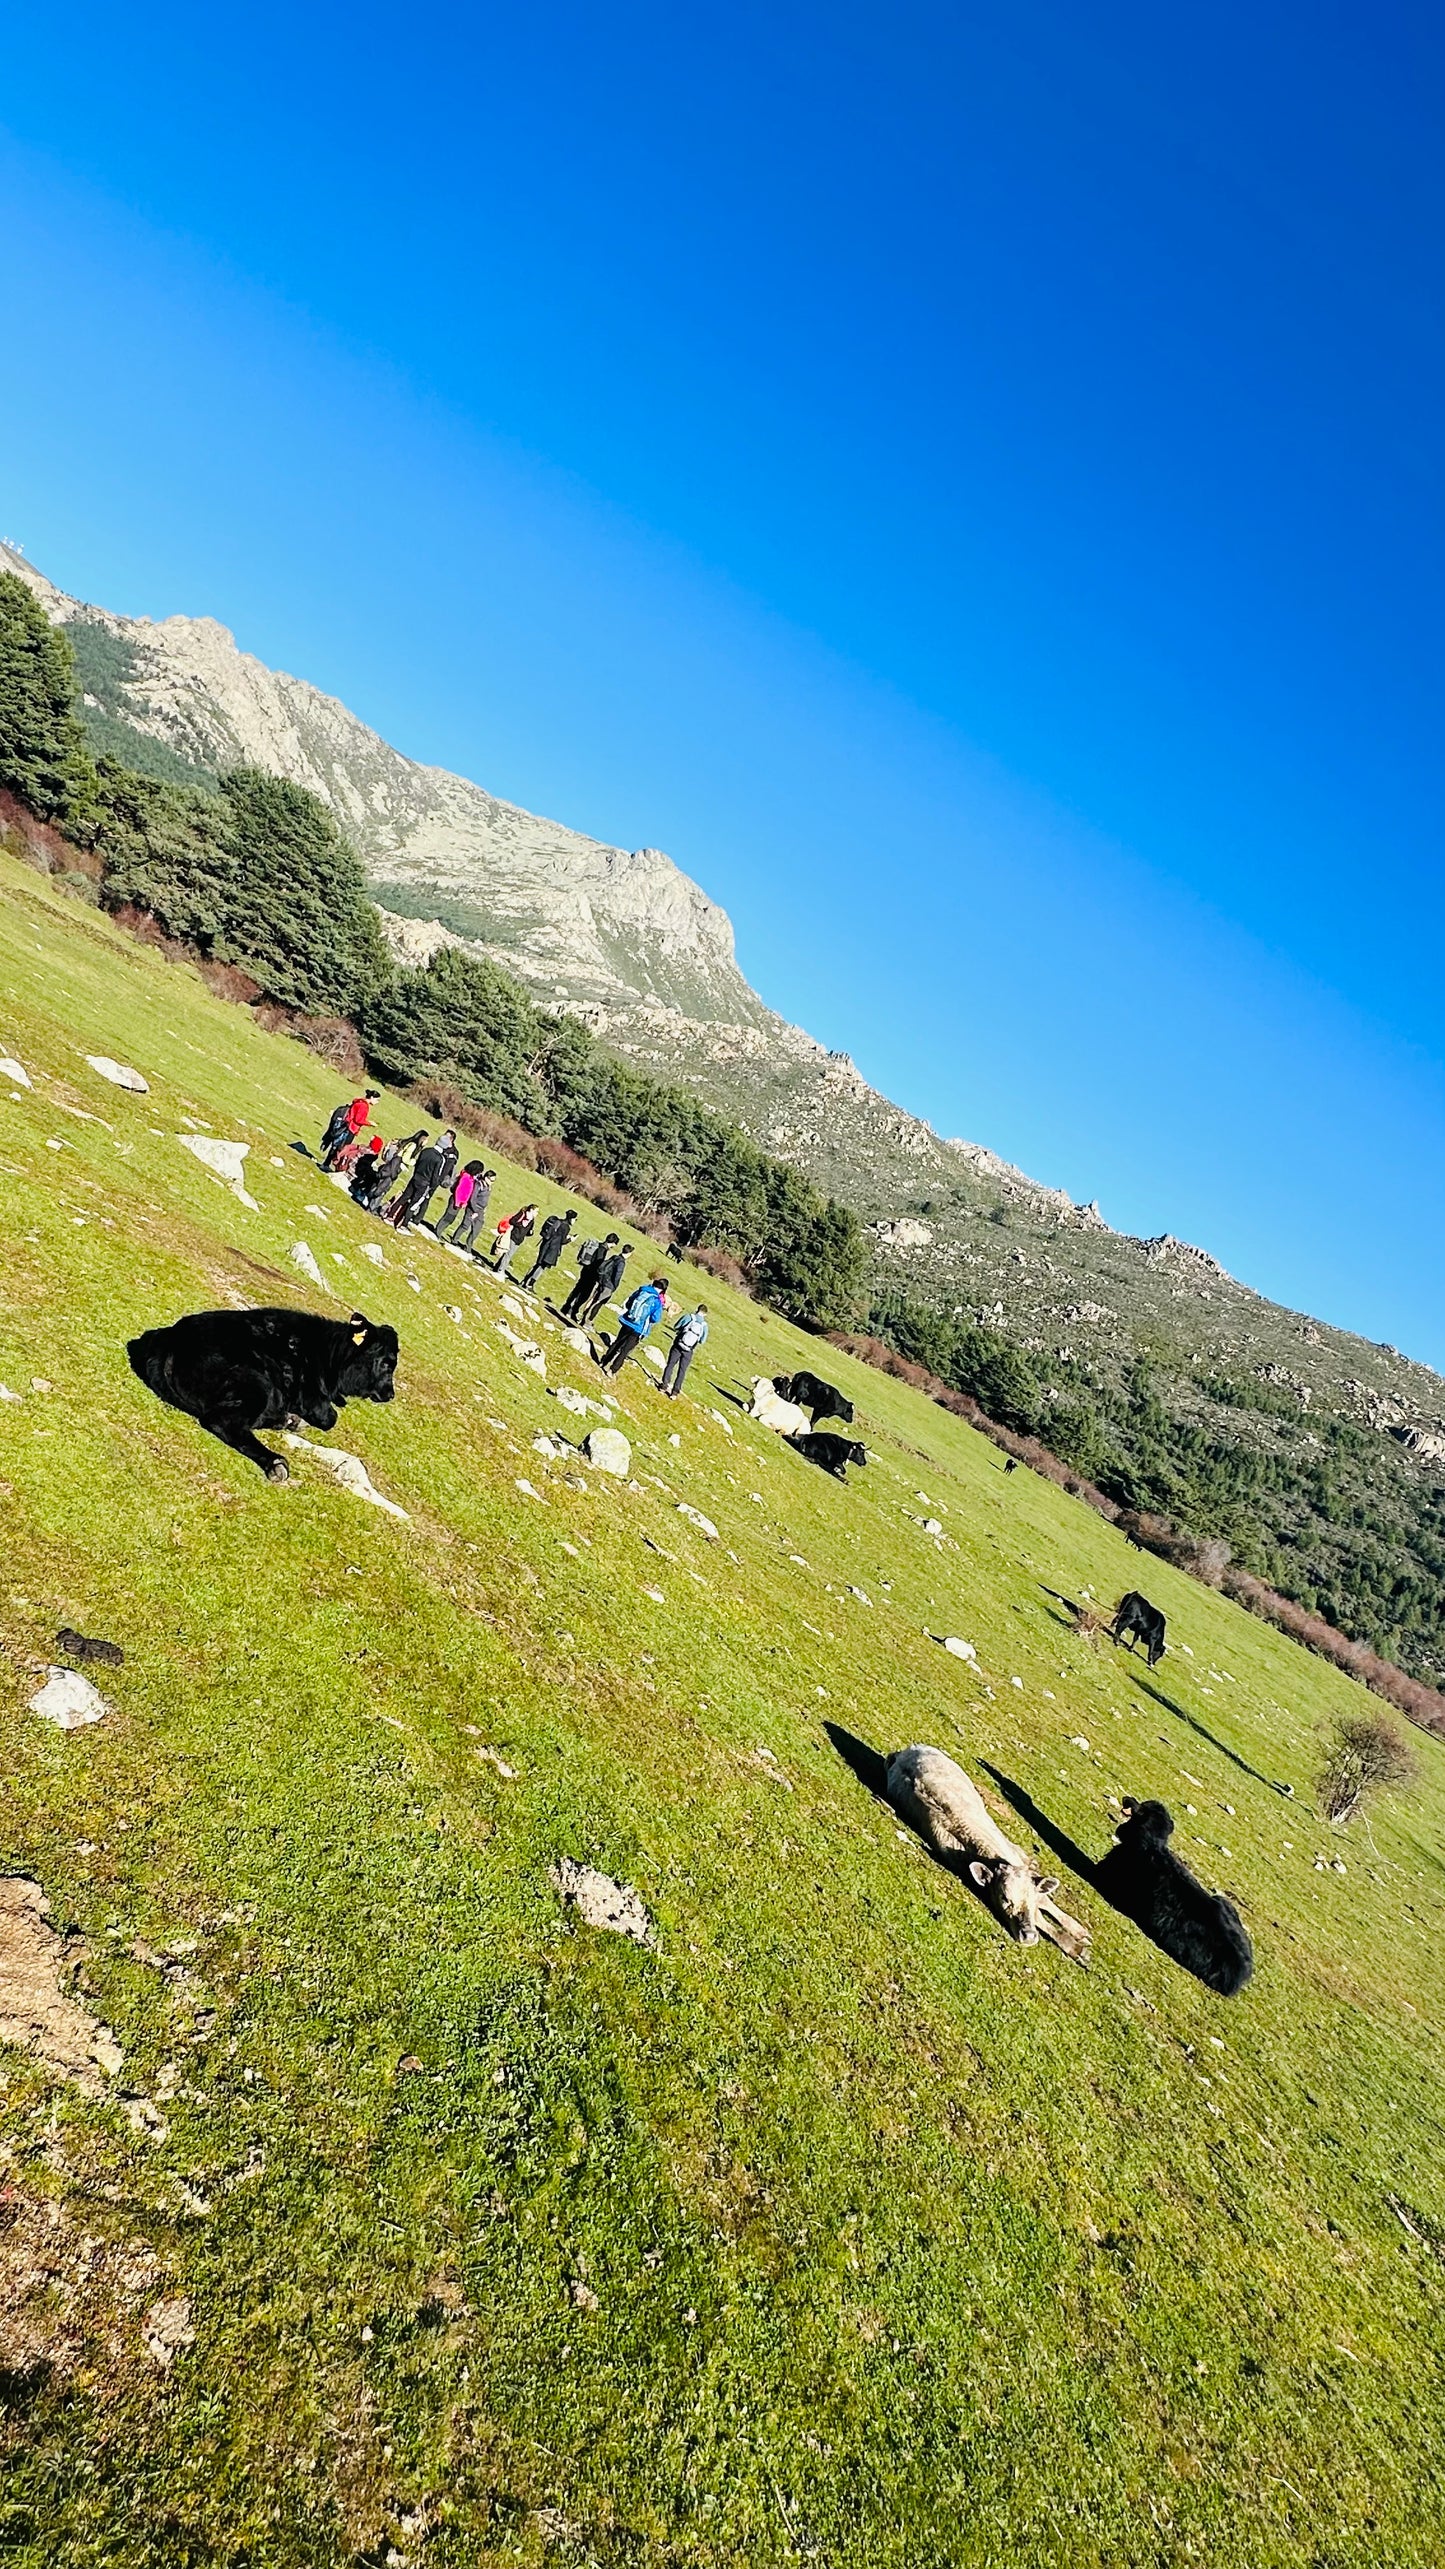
x: 834, y: 2229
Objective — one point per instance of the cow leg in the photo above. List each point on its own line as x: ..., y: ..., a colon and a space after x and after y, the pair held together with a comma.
x: 241, y: 1441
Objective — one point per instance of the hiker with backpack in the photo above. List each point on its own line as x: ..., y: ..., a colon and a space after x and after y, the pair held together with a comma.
x: 346, y: 1126
x: 687, y: 1337
x: 642, y: 1309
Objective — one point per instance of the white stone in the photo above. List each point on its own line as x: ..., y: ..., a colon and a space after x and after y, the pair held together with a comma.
x: 930, y: 1524
x: 10, y: 1069
x: 372, y: 1249
x: 303, y: 1258
x: 578, y: 1340
x: 225, y: 1160
x: 69, y: 1700
x: 607, y: 1449
x: 349, y: 1471
x: 527, y: 1490
x: 960, y: 1649
x: 695, y: 1517
x: 655, y: 1357
x: 601, y: 1902
x: 117, y: 1073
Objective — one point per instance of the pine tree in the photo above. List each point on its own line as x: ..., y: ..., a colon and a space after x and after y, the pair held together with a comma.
x: 43, y: 757
x: 299, y: 916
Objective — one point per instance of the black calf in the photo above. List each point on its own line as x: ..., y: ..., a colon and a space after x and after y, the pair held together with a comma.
x: 814, y: 1395
x: 1142, y: 1876
x: 235, y: 1371
x: 1137, y: 1616
x: 833, y: 1452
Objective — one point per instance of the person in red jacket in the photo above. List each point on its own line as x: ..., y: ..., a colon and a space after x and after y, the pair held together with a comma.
x: 346, y: 1125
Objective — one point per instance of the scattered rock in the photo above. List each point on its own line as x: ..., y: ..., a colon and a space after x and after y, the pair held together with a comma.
x: 930, y: 1524
x: 553, y: 1448
x: 583, y: 2297
x: 118, y: 1074
x: 695, y: 1517
x: 10, y: 1069
x: 517, y: 1309
x: 168, y: 2331
x: 527, y: 1490
x: 655, y: 1356
x: 960, y: 1649
x: 724, y: 1423
x: 87, y: 1647
x: 7, y: 1394
x: 494, y: 1756
x: 372, y: 1249
x: 601, y: 1902
x: 69, y: 1700
x: 349, y: 1471
x: 1078, y: 1741
x: 577, y: 1402
x: 607, y: 1449
x: 225, y: 1160
x: 578, y: 1340
x: 656, y: 1595
x: 863, y: 1599
x: 302, y: 1257
x: 35, y: 2014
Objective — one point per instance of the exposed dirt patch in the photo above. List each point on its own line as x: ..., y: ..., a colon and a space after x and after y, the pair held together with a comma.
x: 36, y: 2012
x: 75, y: 2308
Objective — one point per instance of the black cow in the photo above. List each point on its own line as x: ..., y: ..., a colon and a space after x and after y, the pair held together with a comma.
x: 1136, y: 1617
x: 239, y: 1370
x: 814, y: 1395
x: 1142, y: 1876
x: 833, y: 1452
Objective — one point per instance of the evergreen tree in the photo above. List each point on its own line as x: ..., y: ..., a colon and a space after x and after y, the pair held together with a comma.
x: 464, y: 1019
x: 166, y: 851
x: 43, y: 757
x: 300, y: 917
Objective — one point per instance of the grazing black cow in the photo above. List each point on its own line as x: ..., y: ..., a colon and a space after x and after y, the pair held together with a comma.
x: 236, y: 1371
x: 1136, y: 1617
x: 814, y: 1395
x: 833, y: 1452
x: 1142, y: 1876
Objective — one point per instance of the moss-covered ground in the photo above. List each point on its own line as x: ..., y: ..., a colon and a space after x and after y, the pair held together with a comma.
x: 835, y: 2228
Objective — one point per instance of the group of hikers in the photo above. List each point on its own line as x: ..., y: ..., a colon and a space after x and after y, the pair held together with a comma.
x: 418, y: 1168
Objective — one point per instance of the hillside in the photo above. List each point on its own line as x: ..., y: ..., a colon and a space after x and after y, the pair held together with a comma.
x: 1319, y: 1456
x: 421, y: 2224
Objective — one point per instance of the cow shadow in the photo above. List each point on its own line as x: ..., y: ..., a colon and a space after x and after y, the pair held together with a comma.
x: 1065, y: 1849
x: 870, y: 1769
x: 1167, y: 1704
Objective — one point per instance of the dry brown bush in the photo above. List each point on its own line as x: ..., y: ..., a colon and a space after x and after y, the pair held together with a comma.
x: 1366, y: 1756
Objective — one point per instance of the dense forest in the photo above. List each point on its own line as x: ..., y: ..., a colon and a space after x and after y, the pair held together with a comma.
x: 251, y: 871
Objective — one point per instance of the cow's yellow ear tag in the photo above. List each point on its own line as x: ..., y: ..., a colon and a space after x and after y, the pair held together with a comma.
x: 358, y: 1338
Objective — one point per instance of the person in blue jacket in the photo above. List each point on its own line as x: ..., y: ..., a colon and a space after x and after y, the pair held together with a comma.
x: 687, y: 1337
x: 639, y: 1314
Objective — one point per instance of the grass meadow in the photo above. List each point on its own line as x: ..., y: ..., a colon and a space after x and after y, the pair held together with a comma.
x: 835, y: 2228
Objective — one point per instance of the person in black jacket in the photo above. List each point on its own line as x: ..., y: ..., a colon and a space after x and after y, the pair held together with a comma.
x: 420, y: 1187
x: 607, y: 1275
x: 588, y: 1257
x: 552, y: 1239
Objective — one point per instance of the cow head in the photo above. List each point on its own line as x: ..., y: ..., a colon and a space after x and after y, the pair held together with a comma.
x: 1013, y: 1892
x: 1149, y: 1821
x: 369, y: 1360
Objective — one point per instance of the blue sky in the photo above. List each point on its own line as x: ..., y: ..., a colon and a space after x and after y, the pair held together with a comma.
x: 964, y: 481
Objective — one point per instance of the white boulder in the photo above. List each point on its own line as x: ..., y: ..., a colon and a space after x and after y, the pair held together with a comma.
x: 304, y: 1258
x: 119, y: 1075
x: 608, y: 1450
x: 69, y: 1700
x: 601, y: 1902
x: 11, y: 1069
x: 225, y: 1160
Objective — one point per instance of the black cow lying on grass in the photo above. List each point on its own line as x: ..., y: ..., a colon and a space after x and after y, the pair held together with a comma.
x: 833, y: 1452
x: 814, y: 1395
x: 1143, y: 1877
x: 1137, y: 1616
x: 236, y: 1371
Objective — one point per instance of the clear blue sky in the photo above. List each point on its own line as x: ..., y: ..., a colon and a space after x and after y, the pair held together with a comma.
x: 964, y: 480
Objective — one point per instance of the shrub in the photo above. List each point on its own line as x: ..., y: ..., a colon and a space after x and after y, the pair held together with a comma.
x: 1367, y: 1756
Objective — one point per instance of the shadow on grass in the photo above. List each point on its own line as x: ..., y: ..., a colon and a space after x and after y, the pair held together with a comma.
x: 1067, y: 1850
x: 862, y: 1761
x: 1168, y: 1705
